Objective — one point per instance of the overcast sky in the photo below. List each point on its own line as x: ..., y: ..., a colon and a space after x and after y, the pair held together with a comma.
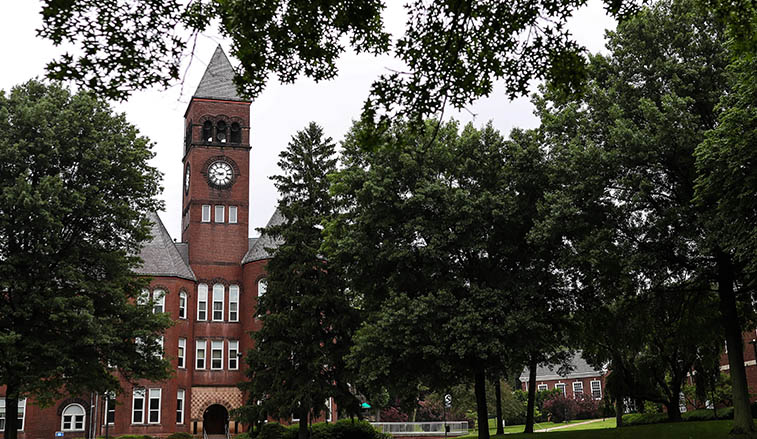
x: 276, y: 115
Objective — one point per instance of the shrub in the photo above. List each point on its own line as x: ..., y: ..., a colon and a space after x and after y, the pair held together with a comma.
x: 393, y: 414
x: 274, y: 430
x: 644, y: 418
x: 182, y: 435
x: 238, y: 436
x: 725, y: 413
x: 698, y: 415
x: 352, y: 429
x: 588, y: 407
x: 561, y: 408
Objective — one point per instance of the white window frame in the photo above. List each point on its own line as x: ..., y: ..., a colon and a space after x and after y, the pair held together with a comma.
x: 201, y: 353
x: 561, y: 386
x: 21, y: 413
x: 599, y: 388
x: 73, y: 420
x: 109, y: 405
x: 162, y: 348
x: 577, y: 392
x: 158, y: 301
x: 218, y: 213
x: 233, y: 214
x: 234, y: 354
x: 181, y: 356
x: 138, y: 394
x: 183, y: 298
x: 206, y: 213
x: 542, y: 387
x: 144, y: 297
x: 219, y: 294
x: 150, y: 399
x: 180, y: 398
x: 262, y: 282
x: 234, y: 303
x: 328, y: 410
x: 202, y: 302
x: 216, y: 346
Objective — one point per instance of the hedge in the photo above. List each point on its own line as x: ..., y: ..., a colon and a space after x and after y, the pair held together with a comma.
x: 342, y: 429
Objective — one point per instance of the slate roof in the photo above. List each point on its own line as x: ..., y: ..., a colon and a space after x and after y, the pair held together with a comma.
x: 218, y: 80
x: 160, y: 256
x: 257, y: 250
x: 581, y: 369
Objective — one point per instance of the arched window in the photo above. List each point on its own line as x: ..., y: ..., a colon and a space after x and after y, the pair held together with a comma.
x: 183, y: 305
x: 72, y: 418
x: 218, y: 293
x: 262, y: 286
x: 236, y: 133
x: 221, y: 131
x: 188, y: 137
x: 207, y: 131
x: 234, y: 303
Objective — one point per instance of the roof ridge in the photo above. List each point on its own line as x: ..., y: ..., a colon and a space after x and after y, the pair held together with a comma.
x: 218, y: 80
x: 160, y: 256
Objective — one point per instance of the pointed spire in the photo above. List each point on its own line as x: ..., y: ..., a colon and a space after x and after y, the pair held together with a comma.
x: 218, y: 80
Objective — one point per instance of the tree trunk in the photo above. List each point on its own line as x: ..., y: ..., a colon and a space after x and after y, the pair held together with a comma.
x: 531, y: 394
x: 11, y: 412
x: 618, y: 411
x: 498, y: 397
x: 742, y: 415
x: 483, y: 413
x: 674, y: 412
x: 674, y: 405
x: 302, y: 432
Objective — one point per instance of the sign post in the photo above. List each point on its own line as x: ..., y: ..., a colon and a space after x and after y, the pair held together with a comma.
x: 447, y: 404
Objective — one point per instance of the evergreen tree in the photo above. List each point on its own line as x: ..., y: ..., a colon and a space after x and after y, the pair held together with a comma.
x: 298, y: 359
x: 75, y: 190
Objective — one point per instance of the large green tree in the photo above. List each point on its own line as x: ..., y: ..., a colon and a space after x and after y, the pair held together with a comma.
x: 75, y: 190
x: 298, y: 361
x: 433, y: 238
x: 627, y: 146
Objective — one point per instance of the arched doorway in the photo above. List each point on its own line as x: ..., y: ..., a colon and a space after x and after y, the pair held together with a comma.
x: 215, y: 419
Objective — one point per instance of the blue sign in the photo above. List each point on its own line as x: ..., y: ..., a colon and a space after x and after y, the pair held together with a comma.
x: 58, y: 434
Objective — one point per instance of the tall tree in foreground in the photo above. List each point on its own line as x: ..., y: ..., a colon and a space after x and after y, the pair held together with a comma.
x: 635, y: 231
x: 297, y: 363
x: 433, y: 235
x: 75, y: 190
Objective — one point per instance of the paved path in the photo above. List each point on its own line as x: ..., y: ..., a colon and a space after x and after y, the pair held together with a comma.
x: 567, y: 425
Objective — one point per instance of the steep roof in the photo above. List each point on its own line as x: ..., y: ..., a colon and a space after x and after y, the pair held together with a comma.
x: 160, y: 257
x: 258, y: 248
x: 581, y: 369
x: 218, y: 80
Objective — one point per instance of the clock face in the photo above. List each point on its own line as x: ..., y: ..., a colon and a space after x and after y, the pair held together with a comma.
x: 220, y: 173
x: 186, y: 180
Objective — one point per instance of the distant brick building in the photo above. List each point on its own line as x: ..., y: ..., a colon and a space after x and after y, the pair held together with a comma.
x: 583, y: 379
x: 209, y: 284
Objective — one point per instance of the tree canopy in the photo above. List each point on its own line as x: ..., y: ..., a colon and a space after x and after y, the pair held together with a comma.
x: 76, y: 190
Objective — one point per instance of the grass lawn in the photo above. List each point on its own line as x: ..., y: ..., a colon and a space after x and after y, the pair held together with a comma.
x: 519, y: 428
x: 607, y: 423
x: 678, y: 430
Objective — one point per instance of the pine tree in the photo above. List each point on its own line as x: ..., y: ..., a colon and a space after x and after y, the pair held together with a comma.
x: 297, y: 363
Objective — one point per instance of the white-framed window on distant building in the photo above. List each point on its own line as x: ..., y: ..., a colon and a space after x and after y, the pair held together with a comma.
x: 596, y: 389
x: 578, y: 388
x: 202, y: 302
x: 233, y: 214
x: 21, y: 413
x: 109, y: 409
x: 182, y: 353
x: 234, y: 303
x: 183, y: 305
x: 233, y: 354
x: 561, y: 386
x: 218, y: 293
x: 138, y: 406
x: 542, y: 387
x: 219, y: 213
x: 200, y: 354
x: 158, y: 301
x: 206, y: 213
x: 72, y: 418
x: 216, y: 354
x: 328, y: 410
x: 153, y: 415
x: 180, y: 406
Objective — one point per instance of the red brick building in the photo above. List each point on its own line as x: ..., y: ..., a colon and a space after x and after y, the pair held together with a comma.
x: 209, y: 284
x: 582, y: 379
